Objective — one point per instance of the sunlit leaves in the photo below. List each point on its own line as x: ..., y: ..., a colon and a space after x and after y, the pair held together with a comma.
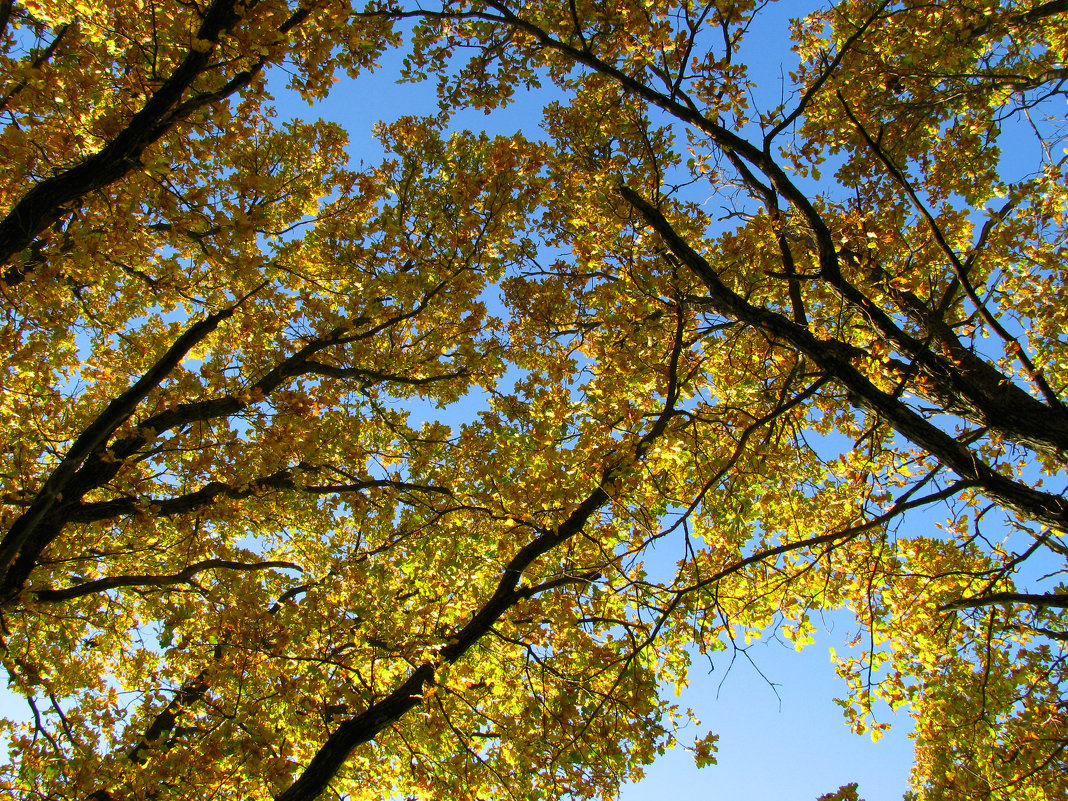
x: 499, y: 431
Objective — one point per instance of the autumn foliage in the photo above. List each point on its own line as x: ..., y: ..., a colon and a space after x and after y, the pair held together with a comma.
x: 329, y: 477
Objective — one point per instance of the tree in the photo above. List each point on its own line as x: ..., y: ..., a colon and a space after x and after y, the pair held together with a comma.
x: 242, y: 558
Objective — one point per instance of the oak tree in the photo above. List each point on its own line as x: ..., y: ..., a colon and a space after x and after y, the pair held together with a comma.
x: 347, y: 480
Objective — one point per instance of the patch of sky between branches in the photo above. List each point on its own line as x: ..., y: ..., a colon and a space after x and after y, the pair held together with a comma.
x: 379, y: 95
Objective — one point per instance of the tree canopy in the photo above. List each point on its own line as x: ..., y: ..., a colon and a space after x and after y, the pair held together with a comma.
x: 339, y: 479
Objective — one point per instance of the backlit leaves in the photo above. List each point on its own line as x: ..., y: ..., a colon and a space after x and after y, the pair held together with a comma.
x: 426, y: 478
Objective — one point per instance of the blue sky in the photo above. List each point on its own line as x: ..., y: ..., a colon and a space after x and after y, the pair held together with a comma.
x: 786, y: 742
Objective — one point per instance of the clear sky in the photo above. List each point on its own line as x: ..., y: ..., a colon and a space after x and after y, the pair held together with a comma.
x: 786, y: 742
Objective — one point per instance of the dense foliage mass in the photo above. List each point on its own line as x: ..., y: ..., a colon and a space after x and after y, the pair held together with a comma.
x: 761, y: 324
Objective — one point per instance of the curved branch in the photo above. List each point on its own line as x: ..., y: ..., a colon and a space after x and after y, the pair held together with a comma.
x: 89, y: 465
x: 181, y: 577
x: 363, y: 728
x: 98, y: 432
x: 1035, y: 504
x: 43, y: 204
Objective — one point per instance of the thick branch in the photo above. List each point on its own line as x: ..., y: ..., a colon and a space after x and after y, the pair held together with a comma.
x: 183, y: 504
x: 363, y: 728
x: 1059, y: 601
x: 1033, y: 504
x: 1042, y: 11
x: 49, y: 199
x: 98, y: 432
x: 44, y: 520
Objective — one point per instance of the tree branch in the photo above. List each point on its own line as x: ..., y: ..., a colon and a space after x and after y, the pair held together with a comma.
x: 98, y: 432
x: 47, y: 200
x: 115, y: 582
x: 209, y: 493
x: 1012, y: 344
x: 363, y: 728
x: 1041, y: 506
x: 1041, y: 601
